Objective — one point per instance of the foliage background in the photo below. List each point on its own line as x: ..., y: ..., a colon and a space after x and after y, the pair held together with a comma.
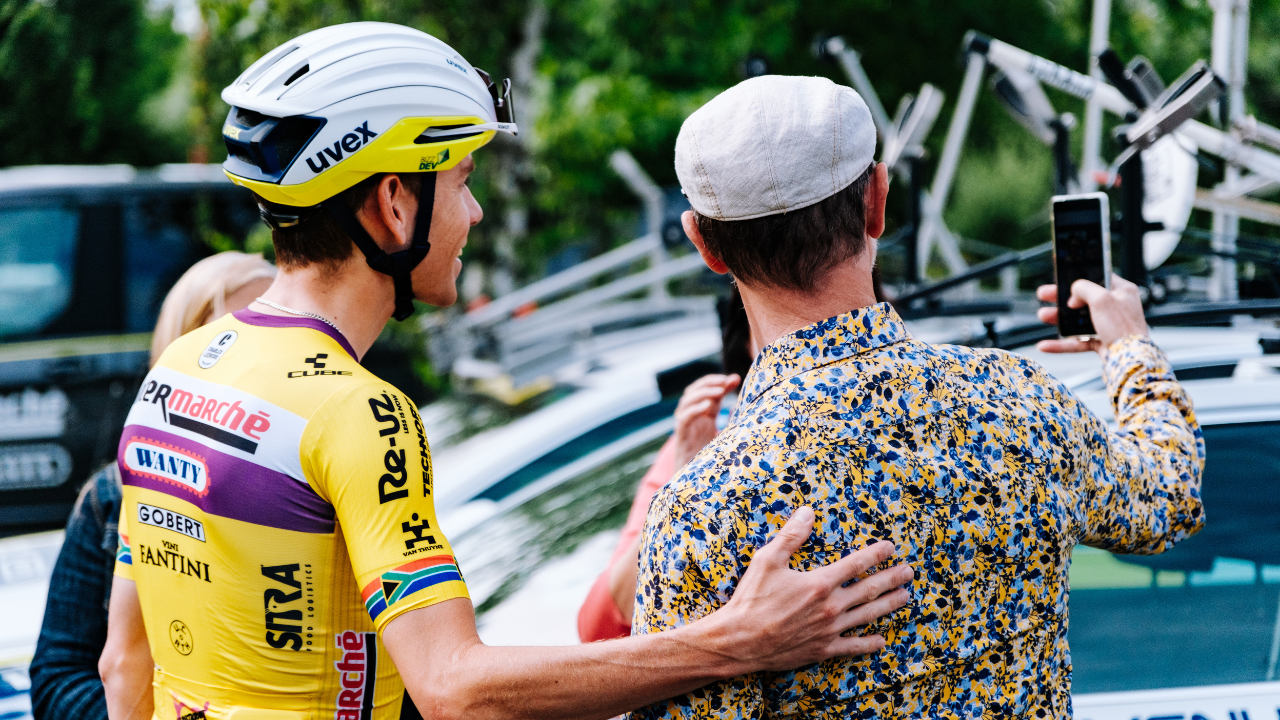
x: 92, y: 81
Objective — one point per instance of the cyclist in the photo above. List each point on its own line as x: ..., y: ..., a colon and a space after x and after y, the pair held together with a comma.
x: 279, y: 555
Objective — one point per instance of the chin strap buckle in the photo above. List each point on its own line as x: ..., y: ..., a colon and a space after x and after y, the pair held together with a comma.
x: 399, y: 265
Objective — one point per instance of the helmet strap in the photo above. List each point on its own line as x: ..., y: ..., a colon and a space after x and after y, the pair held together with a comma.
x: 399, y: 265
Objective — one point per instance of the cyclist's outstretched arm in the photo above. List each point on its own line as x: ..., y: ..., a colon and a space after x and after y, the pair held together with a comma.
x: 778, y: 619
x: 126, y: 665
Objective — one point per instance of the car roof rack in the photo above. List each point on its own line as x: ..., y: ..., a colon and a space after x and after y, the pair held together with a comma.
x: 1173, y: 314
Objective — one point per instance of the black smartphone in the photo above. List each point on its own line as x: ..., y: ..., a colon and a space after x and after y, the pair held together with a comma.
x: 1081, y: 251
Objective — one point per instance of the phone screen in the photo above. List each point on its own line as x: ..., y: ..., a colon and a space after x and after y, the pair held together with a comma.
x: 1080, y: 252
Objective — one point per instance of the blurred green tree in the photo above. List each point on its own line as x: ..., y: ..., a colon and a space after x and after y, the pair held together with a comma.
x: 625, y: 73
x: 594, y: 76
x: 77, y: 76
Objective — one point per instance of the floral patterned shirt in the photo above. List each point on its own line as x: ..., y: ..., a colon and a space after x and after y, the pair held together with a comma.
x: 982, y: 468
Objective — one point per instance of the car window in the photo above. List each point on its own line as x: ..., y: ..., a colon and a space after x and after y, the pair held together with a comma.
x: 158, y: 248
x: 162, y: 238
x: 37, y: 264
x: 1205, y: 372
x: 1205, y: 612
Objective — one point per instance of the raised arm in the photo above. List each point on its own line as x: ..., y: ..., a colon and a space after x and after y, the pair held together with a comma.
x: 778, y: 619
x: 1142, y: 480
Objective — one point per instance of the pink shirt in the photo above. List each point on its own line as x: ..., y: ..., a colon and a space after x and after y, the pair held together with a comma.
x: 600, y: 618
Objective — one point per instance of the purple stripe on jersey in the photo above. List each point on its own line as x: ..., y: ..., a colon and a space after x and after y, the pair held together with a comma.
x: 250, y: 317
x: 234, y: 488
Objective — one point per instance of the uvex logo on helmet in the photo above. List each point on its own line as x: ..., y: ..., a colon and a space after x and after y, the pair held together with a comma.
x: 351, y: 142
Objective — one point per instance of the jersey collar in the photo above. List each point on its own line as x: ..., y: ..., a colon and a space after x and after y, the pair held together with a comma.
x: 252, y: 317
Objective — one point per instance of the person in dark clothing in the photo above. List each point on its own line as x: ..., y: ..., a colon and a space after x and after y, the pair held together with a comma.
x: 64, y: 672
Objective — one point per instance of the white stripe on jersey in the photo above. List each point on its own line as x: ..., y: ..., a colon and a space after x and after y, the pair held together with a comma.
x: 221, y: 418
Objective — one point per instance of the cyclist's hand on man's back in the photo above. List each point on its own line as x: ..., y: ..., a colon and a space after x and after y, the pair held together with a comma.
x: 780, y: 618
x: 1116, y: 313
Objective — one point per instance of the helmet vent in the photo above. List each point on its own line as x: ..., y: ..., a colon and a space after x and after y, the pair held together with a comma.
x: 249, y: 118
x: 427, y: 139
x: 267, y: 62
x: 290, y: 136
x: 297, y: 74
x: 261, y: 147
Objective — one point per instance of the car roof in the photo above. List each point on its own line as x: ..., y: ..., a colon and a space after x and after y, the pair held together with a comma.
x: 1250, y: 391
x: 43, y: 180
x: 1185, y: 346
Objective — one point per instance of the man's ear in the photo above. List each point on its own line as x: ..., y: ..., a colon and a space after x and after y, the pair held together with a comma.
x: 877, y: 195
x: 389, y: 214
x: 695, y: 236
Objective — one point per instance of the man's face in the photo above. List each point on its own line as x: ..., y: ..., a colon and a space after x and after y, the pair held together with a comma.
x: 455, y: 211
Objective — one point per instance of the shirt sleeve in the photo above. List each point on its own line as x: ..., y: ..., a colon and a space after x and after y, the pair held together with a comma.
x: 687, y: 572
x: 365, y: 451
x: 124, y: 553
x: 1142, y: 481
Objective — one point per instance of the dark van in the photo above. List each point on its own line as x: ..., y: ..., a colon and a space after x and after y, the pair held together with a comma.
x: 87, y: 254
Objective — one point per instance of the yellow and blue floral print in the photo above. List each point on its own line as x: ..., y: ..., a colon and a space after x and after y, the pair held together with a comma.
x: 983, y: 470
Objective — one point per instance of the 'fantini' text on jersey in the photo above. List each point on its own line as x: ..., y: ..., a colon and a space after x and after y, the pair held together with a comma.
x: 277, y: 515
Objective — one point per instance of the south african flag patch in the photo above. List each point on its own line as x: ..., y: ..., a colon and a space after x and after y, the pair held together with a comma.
x: 123, y: 553
x: 398, y: 584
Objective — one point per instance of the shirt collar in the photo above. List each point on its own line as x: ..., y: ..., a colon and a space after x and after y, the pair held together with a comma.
x: 823, y: 343
x: 252, y: 317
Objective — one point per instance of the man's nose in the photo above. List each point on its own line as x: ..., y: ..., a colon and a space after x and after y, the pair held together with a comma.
x: 477, y: 212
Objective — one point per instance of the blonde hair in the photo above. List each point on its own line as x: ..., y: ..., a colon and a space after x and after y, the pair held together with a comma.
x: 200, y: 295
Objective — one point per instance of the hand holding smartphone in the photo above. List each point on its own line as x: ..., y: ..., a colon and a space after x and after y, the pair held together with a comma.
x: 1081, y: 251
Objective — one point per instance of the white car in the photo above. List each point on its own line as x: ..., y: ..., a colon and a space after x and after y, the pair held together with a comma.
x: 1193, y: 632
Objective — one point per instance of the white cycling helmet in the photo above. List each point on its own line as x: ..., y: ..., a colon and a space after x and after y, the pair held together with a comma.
x: 330, y: 108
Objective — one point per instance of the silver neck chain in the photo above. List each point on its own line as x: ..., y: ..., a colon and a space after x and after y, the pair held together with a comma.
x: 299, y: 313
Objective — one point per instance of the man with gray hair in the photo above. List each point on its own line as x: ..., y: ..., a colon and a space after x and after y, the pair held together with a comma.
x: 980, y: 466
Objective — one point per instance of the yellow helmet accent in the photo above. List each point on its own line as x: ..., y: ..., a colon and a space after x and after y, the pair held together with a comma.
x: 393, y: 151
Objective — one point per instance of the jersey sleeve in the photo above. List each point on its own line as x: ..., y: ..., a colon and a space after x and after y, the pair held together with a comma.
x: 365, y: 451
x: 124, y: 554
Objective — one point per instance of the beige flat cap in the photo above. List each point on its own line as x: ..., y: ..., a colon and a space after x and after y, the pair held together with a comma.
x: 773, y: 144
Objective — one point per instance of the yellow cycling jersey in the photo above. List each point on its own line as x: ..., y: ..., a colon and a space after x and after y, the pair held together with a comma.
x: 277, y: 514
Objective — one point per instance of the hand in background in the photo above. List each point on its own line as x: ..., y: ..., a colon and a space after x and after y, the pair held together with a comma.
x: 695, y: 427
x: 696, y: 414
x: 1116, y: 313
